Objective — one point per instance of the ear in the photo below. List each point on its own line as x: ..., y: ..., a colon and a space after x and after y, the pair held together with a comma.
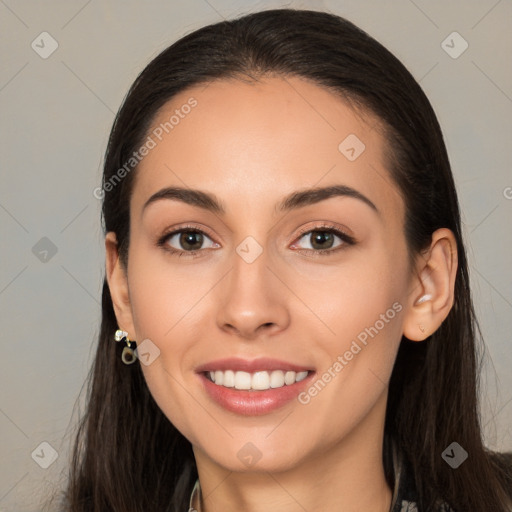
x: 431, y: 294
x: 118, y: 284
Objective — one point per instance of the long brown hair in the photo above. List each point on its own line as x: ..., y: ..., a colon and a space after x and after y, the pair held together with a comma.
x: 127, y: 455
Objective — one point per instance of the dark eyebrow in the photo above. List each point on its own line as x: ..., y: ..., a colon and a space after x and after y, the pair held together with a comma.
x: 315, y: 195
x: 198, y: 198
x: 296, y: 200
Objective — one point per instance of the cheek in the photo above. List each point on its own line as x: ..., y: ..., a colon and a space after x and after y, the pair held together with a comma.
x: 364, y: 315
x: 167, y: 389
x: 166, y: 308
x: 359, y: 298
x: 162, y: 293
x: 358, y: 360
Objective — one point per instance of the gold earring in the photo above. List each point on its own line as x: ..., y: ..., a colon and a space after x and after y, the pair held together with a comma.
x: 128, y: 356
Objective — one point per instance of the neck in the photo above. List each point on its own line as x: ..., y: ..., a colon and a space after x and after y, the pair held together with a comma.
x: 346, y: 476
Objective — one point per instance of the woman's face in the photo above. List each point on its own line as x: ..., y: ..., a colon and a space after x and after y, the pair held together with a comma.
x: 257, y: 296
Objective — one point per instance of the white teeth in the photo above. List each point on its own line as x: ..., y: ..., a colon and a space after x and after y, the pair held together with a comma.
x: 277, y: 379
x: 301, y: 376
x: 258, y: 381
x: 219, y: 377
x: 289, y: 378
x: 229, y: 379
x: 242, y: 380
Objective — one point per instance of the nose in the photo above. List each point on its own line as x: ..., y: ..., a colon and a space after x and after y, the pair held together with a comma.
x: 253, y: 302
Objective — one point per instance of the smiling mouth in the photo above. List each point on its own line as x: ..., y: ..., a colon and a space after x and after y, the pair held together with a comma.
x: 256, y: 381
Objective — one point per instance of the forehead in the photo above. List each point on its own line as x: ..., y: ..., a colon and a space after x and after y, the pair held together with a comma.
x: 254, y: 142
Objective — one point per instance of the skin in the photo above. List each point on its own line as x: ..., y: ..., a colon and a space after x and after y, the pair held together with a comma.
x: 251, y: 145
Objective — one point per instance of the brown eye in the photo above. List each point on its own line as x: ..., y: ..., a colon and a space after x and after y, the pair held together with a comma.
x: 321, y: 239
x: 185, y: 240
x: 191, y: 240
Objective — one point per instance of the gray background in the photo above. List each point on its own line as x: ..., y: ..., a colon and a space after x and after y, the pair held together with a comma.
x: 55, y: 116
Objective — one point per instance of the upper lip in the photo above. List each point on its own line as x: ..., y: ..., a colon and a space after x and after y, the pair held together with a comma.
x: 250, y: 366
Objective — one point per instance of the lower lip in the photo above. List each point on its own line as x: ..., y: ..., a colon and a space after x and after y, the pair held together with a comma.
x: 253, y: 403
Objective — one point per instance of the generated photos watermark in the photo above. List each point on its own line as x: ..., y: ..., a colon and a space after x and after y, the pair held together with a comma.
x: 343, y: 360
x: 150, y: 143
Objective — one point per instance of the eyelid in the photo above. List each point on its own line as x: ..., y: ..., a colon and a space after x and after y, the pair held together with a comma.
x: 322, y: 225
x: 187, y: 227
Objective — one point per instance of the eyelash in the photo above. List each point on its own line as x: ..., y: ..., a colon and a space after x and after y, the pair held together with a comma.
x: 324, y: 228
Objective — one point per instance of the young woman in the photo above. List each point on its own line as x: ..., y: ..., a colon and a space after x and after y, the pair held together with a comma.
x: 284, y: 249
